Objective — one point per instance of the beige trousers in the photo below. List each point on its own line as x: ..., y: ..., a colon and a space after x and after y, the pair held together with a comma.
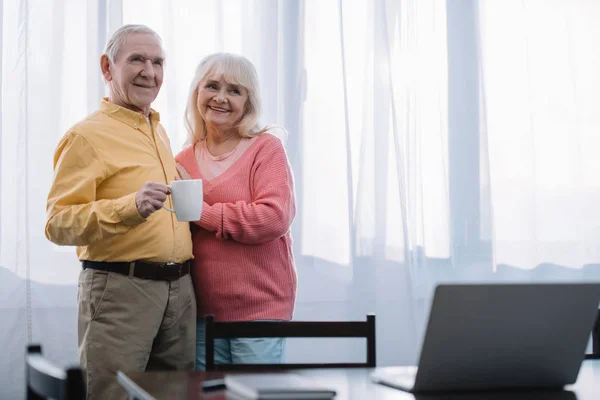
x: 131, y: 324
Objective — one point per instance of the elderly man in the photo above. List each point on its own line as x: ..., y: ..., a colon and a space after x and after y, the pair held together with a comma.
x: 137, y: 308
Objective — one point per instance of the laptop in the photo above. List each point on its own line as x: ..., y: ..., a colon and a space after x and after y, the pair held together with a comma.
x: 501, y: 336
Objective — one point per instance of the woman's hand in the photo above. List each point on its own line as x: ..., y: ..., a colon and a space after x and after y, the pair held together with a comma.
x: 182, y: 173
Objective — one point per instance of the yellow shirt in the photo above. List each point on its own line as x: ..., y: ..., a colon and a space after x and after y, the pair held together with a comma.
x: 99, y: 165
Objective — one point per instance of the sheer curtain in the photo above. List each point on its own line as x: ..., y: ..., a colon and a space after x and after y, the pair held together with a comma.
x: 376, y: 114
x: 374, y: 172
x: 50, y: 79
x: 429, y: 144
x: 540, y: 91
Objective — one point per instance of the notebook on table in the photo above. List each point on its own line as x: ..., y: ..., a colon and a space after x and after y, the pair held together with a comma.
x: 275, y: 386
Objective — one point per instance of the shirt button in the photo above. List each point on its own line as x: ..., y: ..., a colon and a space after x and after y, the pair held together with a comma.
x: 134, y: 125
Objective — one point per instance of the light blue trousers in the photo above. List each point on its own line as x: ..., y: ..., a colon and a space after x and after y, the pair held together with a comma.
x: 239, y: 351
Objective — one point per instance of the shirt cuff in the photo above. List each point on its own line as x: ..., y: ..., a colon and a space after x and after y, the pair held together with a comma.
x: 127, y: 211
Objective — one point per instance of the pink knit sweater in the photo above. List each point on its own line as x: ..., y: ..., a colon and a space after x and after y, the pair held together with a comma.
x: 244, y: 267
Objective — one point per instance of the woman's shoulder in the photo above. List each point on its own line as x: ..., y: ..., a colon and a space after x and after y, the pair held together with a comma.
x: 270, y: 139
x: 184, y: 155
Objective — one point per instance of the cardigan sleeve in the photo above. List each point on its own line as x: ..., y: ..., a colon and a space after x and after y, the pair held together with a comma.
x: 272, y: 210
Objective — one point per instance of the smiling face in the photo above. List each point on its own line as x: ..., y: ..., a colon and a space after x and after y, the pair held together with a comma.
x: 136, y: 74
x: 221, y: 104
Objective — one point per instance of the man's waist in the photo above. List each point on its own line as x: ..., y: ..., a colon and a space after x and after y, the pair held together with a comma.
x: 158, y: 248
x: 168, y: 271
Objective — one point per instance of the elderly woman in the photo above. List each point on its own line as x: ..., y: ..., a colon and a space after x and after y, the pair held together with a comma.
x: 243, y: 267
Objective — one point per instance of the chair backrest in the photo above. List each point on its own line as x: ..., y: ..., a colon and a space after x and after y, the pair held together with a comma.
x: 45, y: 380
x: 288, y: 329
x: 595, y: 354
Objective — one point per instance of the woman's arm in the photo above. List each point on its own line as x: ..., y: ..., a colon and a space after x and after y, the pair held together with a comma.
x: 272, y: 210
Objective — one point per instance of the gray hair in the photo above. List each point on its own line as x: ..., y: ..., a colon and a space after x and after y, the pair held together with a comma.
x: 120, y: 36
x: 234, y: 69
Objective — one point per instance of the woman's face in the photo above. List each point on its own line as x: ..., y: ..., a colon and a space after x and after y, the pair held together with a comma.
x: 221, y: 104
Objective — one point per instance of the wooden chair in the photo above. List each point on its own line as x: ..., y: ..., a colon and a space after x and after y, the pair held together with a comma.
x: 595, y: 355
x: 45, y: 380
x: 288, y: 329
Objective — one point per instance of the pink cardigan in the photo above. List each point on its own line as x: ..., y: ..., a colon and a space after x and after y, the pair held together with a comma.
x: 243, y: 267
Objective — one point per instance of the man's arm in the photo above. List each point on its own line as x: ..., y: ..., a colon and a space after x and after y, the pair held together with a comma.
x: 74, y: 216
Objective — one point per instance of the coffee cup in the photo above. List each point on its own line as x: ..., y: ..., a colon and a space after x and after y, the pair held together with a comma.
x: 187, y: 199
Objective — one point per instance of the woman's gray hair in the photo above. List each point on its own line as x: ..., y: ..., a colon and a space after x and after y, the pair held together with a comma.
x: 235, y: 69
x: 120, y: 36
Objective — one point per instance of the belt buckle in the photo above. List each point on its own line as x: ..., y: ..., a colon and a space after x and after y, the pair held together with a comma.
x: 169, y: 278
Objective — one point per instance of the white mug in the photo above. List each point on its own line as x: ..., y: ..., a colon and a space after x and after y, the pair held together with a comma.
x: 187, y: 198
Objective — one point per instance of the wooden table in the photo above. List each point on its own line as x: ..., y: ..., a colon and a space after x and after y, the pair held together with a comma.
x: 349, y: 383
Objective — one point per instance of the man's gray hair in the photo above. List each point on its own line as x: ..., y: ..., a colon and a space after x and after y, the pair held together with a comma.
x: 120, y: 36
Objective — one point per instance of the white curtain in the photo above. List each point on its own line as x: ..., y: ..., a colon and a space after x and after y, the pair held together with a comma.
x: 541, y: 90
x: 429, y: 144
x: 50, y: 79
x: 375, y: 129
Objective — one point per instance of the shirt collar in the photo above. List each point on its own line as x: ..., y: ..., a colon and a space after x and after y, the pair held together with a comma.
x: 129, y: 117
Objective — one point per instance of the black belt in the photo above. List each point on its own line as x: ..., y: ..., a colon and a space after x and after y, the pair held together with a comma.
x: 142, y: 269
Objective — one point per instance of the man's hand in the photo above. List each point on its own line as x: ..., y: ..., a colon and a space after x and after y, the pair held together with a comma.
x: 151, y: 197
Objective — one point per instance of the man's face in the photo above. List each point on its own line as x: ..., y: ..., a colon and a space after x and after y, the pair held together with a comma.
x: 136, y: 75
